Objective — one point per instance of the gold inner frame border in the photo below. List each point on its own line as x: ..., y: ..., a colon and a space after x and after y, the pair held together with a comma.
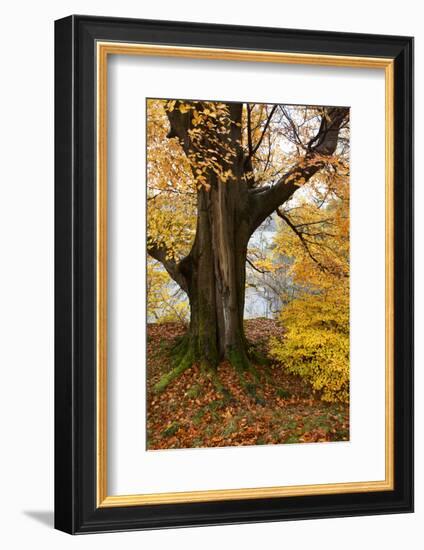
x: 103, y: 50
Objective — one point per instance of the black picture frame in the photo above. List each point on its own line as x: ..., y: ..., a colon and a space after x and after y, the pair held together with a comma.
x: 76, y: 510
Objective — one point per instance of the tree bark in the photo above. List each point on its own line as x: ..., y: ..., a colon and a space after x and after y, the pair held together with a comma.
x: 214, y: 273
x: 217, y: 277
x: 216, y: 265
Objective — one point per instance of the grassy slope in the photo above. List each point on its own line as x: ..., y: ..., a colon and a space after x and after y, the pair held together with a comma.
x: 192, y: 413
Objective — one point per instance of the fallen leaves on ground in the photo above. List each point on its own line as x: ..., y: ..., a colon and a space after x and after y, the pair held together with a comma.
x: 191, y: 412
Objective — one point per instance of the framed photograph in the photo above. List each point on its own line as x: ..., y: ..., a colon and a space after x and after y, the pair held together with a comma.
x: 234, y: 274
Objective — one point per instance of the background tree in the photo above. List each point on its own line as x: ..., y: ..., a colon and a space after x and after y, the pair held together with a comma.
x: 229, y: 166
x: 314, y: 233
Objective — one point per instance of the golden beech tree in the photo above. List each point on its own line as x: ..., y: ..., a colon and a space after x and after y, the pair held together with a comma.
x: 215, y: 172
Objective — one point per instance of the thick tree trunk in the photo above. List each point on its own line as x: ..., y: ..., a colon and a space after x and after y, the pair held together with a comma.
x: 216, y: 285
x: 214, y: 270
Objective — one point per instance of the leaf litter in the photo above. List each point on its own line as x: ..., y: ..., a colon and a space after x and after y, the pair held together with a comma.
x: 192, y: 413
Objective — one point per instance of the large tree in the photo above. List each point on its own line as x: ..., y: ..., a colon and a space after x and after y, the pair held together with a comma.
x: 240, y: 173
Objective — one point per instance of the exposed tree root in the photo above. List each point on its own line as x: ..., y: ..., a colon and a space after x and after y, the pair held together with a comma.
x: 211, y: 373
x: 184, y: 357
x: 185, y: 363
x: 244, y: 367
x: 180, y: 349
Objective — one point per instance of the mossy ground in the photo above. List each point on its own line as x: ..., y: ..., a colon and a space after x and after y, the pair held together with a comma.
x: 196, y: 411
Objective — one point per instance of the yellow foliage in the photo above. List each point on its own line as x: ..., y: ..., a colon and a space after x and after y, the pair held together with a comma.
x: 171, y: 195
x: 314, y: 237
x: 211, y: 119
x: 316, y: 345
x: 164, y: 303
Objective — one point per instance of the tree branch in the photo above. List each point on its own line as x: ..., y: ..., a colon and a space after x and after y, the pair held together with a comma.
x: 172, y: 267
x: 301, y: 237
x: 179, y: 124
x: 268, y: 120
x: 323, y: 144
x: 262, y: 271
x: 297, y: 139
x: 249, y: 131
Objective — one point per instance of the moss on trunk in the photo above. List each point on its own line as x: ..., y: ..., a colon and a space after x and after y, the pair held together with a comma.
x: 185, y: 363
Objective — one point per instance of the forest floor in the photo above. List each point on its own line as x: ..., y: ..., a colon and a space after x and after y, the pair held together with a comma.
x: 190, y: 412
